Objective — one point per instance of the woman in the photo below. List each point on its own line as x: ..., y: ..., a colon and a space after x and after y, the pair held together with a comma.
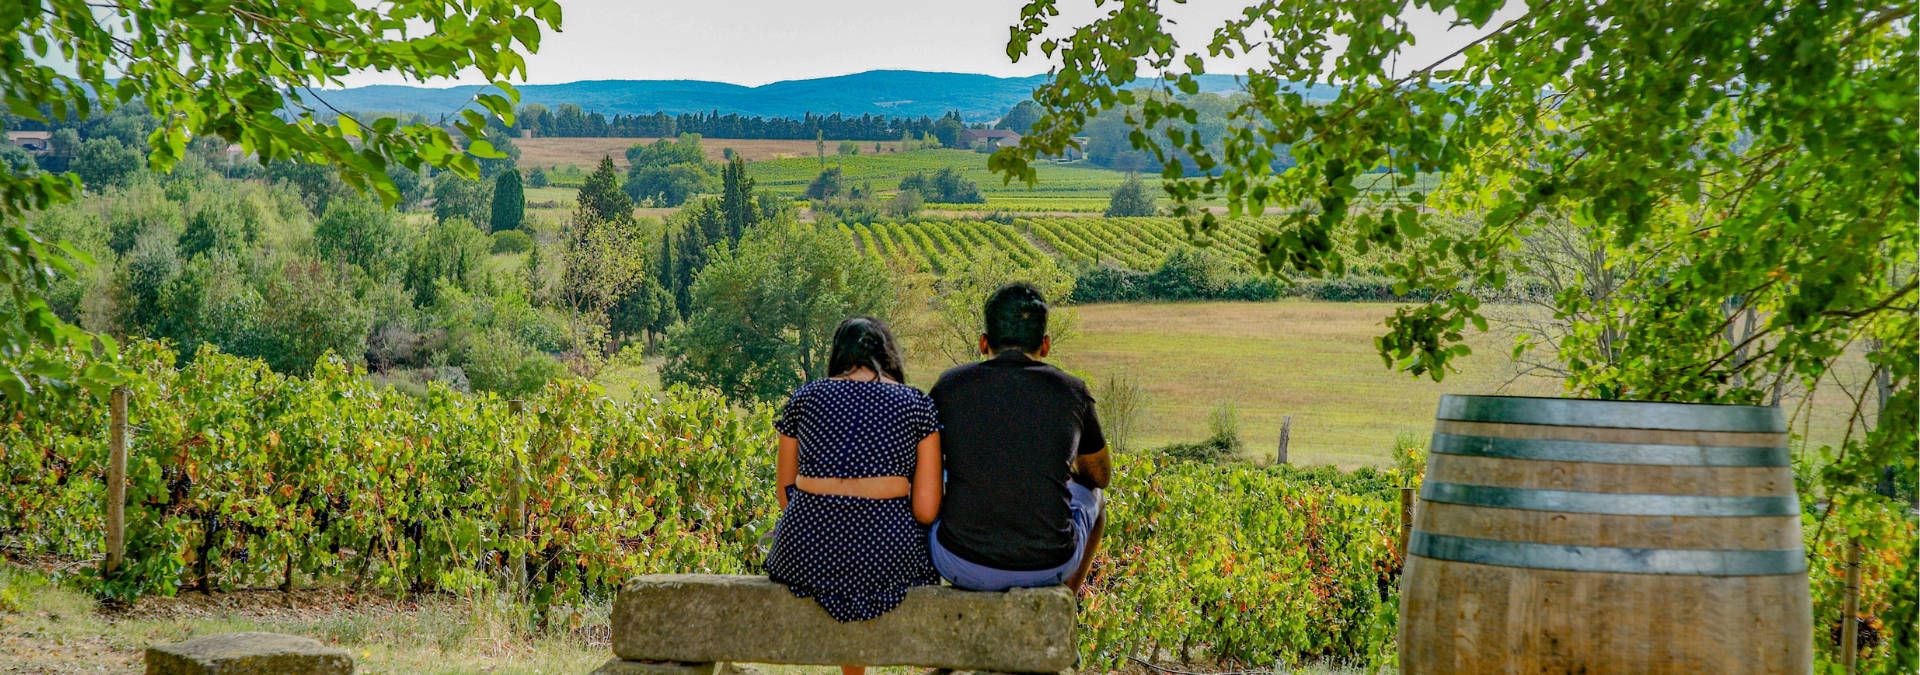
x: 859, y: 481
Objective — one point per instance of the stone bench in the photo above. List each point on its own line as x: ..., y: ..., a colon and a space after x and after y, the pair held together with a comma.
x: 248, y: 654
x: 688, y: 623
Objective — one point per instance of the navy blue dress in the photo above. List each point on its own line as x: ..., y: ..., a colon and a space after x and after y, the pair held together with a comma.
x: 856, y: 557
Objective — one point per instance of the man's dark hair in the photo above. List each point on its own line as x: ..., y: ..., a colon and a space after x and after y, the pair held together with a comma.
x: 1016, y: 318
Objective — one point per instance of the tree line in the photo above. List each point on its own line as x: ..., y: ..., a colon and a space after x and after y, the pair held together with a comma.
x: 570, y: 120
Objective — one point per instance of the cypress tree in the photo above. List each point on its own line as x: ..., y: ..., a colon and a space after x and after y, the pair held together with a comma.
x: 736, y: 201
x: 601, y: 200
x: 509, y: 202
x: 664, y: 273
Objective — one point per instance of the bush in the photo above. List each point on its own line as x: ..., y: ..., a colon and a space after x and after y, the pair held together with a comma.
x: 946, y: 186
x: 827, y: 185
x: 904, y: 205
x: 1186, y: 274
x: 1131, y: 199
x: 512, y: 241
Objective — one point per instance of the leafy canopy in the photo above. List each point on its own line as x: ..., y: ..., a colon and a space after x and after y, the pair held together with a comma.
x: 1773, y: 175
x: 244, y: 71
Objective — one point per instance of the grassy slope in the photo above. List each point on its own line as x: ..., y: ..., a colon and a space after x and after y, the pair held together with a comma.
x: 1312, y: 360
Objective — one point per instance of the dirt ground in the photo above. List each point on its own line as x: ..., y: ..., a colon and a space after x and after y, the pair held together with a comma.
x: 585, y: 152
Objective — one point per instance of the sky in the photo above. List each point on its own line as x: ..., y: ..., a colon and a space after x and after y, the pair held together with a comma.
x: 754, y: 42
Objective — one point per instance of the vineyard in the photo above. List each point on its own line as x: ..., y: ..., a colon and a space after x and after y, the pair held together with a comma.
x: 1138, y: 244
x: 243, y: 478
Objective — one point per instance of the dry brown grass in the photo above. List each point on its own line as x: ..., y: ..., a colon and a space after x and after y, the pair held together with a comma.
x: 586, y: 152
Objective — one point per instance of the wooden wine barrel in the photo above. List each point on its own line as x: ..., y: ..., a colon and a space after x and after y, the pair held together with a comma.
x: 1575, y: 536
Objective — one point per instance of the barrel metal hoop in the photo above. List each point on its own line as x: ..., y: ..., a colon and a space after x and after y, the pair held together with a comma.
x: 1609, y: 503
x: 1614, y: 414
x: 1608, y: 453
x: 1700, y: 562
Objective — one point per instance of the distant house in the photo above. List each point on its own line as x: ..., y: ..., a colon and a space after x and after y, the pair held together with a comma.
x: 36, y: 142
x: 988, y: 139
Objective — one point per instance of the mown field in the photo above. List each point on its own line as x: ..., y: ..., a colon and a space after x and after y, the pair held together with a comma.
x: 1313, y: 361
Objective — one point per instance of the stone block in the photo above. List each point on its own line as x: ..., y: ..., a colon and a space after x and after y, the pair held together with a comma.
x: 248, y: 654
x: 721, y: 618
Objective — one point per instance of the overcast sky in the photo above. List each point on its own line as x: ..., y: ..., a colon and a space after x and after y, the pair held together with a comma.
x: 759, y: 41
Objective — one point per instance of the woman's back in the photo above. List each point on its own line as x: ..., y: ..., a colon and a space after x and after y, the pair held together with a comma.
x: 857, y: 429
x: 856, y: 556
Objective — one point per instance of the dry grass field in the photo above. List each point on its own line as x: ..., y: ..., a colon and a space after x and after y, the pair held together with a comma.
x: 1314, y: 361
x: 585, y: 152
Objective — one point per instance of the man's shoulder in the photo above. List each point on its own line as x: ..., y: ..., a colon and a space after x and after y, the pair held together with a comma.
x: 955, y: 374
x: 1066, y: 379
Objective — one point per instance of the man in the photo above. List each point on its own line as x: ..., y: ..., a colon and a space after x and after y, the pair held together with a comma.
x: 1025, y: 459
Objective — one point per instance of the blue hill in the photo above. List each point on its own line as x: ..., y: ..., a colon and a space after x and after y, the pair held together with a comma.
x: 901, y: 93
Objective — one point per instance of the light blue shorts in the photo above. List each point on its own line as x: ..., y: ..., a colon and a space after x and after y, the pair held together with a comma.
x: 1085, y: 503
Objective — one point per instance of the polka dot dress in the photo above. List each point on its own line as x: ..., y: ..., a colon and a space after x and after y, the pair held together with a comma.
x: 856, y: 557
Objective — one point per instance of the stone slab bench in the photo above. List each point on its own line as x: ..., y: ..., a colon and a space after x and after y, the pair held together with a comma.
x: 248, y: 654
x: 688, y: 623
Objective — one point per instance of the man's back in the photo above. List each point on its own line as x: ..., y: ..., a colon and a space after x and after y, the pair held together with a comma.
x: 1011, y: 428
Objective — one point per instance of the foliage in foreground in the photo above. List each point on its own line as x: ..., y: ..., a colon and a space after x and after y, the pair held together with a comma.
x: 242, y: 478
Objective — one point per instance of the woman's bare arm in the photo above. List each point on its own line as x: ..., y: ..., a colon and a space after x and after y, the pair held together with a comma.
x: 927, y: 486
x: 786, y: 468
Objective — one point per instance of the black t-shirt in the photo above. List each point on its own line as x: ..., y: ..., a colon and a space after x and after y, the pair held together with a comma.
x: 1012, y: 427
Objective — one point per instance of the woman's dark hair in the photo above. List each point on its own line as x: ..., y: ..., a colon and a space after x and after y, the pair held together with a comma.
x: 865, y: 342
x: 1016, y: 318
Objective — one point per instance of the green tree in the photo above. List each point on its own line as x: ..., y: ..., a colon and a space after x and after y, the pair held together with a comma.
x: 450, y: 251
x: 509, y: 203
x: 1131, y: 199
x: 307, y: 310
x: 952, y: 329
x: 697, y: 228
x: 670, y: 185
x: 459, y: 197
x: 507, y: 154
x: 106, y: 162
x: 764, y: 313
x: 600, y: 199
x: 904, y: 204
x: 1749, y: 187
x: 1021, y: 118
x: 827, y: 185
x: 736, y: 199
x: 537, y: 178
x: 948, y: 131
x: 362, y: 233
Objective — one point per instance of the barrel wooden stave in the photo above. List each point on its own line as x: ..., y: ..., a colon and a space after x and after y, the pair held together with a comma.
x: 1674, y: 487
x: 1471, y: 618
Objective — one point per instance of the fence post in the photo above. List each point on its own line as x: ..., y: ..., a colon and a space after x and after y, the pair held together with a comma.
x: 1286, y: 430
x: 516, y: 507
x: 1406, y: 521
x: 1850, y: 610
x: 116, y: 479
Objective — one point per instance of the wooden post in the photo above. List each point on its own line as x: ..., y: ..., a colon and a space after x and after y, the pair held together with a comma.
x: 1850, y: 610
x: 1406, y: 521
x: 1286, y: 430
x: 516, y: 508
x: 116, y: 479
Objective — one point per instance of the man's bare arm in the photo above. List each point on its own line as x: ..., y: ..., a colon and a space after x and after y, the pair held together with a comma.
x: 1094, y: 470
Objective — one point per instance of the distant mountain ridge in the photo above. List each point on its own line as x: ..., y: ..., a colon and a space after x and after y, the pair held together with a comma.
x: 899, y: 93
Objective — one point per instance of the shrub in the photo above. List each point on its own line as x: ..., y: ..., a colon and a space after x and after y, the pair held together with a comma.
x: 512, y: 241
x: 1131, y: 199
